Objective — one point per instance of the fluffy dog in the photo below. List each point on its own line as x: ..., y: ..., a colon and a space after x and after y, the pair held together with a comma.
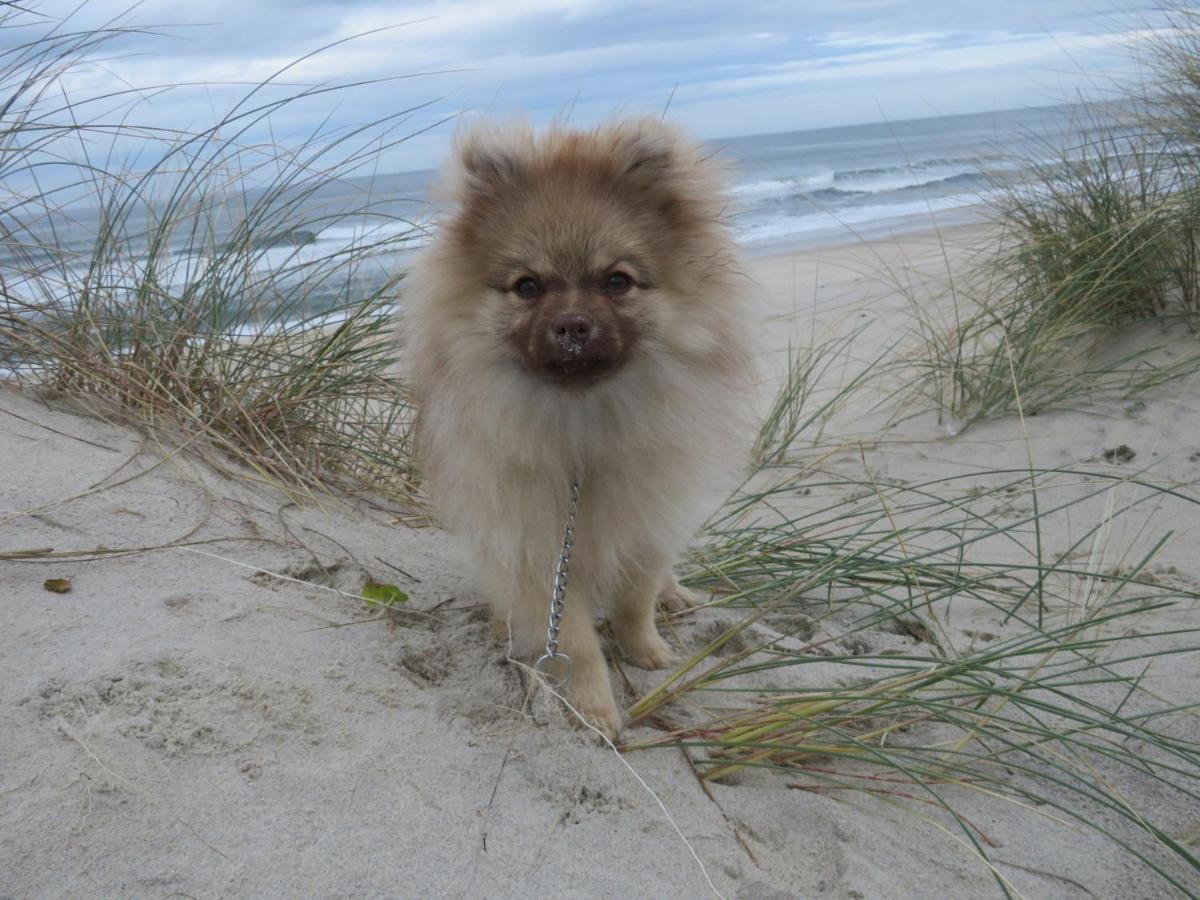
x: 578, y: 314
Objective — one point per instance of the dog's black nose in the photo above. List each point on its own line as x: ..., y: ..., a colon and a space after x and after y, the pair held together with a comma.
x: 572, y: 331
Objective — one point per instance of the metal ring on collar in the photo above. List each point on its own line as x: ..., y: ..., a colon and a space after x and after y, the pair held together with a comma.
x: 560, y: 660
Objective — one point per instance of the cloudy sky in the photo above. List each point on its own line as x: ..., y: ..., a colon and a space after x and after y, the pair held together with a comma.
x: 735, y: 68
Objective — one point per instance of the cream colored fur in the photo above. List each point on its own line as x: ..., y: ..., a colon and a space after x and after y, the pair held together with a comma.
x: 652, y: 443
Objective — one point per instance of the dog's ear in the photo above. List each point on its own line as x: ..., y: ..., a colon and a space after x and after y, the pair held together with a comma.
x: 673, y: 173
x: 489, y: 156
x: 647, y: 148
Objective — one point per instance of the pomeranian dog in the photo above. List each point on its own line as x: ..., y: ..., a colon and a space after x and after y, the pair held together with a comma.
x: 578, y: 315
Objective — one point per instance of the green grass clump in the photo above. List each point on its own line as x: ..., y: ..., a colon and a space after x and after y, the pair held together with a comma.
x: 1101, y: 235
x: 199, y: 305
x: 1098, y: 237
x: 1097, y: 242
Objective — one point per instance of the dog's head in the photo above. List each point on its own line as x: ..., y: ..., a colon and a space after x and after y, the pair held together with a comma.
x: 574, y: 251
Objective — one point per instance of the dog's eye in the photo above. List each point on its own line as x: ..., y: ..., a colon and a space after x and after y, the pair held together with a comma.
x: 618, y: 282
x: 527, y: 287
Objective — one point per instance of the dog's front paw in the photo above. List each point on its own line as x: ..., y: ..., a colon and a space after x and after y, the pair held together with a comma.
x: 649, y: 652
x: 595, y: 703
x: 675, y: 597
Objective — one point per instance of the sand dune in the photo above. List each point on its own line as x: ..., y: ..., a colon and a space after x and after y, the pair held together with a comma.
x: 209, y: 712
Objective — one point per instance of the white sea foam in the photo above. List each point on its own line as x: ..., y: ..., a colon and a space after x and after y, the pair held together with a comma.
x: 374, y: 232
x: 883, y: 181
x: 782, y: 226
x: 251, y: 330
x: 786, y: 186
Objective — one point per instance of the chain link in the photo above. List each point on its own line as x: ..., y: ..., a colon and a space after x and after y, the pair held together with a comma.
x: 558, y: 594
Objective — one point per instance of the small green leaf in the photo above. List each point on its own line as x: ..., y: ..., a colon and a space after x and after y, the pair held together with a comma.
x: 57, y: 585
x: 386, y: 594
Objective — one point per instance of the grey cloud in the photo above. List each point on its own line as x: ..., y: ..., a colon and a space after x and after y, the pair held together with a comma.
x: 815, y: 63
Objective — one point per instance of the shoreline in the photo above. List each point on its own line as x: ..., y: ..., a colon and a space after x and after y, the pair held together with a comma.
x: 888, y: 230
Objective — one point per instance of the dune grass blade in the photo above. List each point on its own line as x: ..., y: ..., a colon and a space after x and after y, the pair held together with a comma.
x: 791, y: 413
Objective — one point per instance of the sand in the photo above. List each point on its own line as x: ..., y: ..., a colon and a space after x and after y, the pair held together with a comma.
x: 182, y: 724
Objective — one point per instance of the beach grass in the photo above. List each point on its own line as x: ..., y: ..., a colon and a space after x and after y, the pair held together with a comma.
x: 838, y: 671
x: 200, y: 305
x: 1099, y: 236
x: 795, y: 411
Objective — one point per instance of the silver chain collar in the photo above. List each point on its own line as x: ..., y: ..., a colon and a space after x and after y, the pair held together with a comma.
x: 552, y: 657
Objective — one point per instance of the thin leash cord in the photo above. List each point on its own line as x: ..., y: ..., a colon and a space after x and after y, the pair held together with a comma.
x: 538, y: 670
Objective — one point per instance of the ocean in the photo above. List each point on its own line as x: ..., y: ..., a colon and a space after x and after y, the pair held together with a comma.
x: 800, y: 188
x: 834, y: 184
x: 788, y: 190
